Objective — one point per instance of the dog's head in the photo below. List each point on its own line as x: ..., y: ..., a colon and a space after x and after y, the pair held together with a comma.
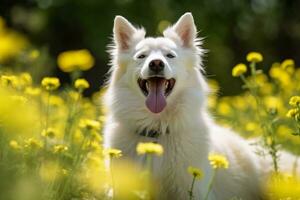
x: 155, y: 68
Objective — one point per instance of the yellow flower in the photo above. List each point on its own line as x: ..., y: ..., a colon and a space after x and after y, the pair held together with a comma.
x: 50, y: 83
x: 89, y: 124
x: 251, y: 126
x: 239, y: 69
x: 272, y: 102
x: 17, y: 116
x: 69, y: 61
x: 96, y: 136
x: 50, y: 132
x: 150, y: 148
x: 55, y: 101
x: 32, y: 91
x: 12, y: 44
x: 224, y: 108
x: 25, y: 79
x: 73, y: 95
x: 283, y: 186
x: 113, y: 153
x: 281, y: 75
x: 292, y: 113
x: 33, y: 143
x: 213, y: 85
x: 267, y: 89
x: 60, y: 148
x: 14, y: 145
x: 288, y: 63
x: 34, y: 54
x: 218, y: 161
x: 212, y: 101
x: 295, y: 101
x: 195, y: 172
x: 81, y: 84
x: 239, y: 102
x: 254, y: 57
x: 7, y: 80
x: 95, y: 146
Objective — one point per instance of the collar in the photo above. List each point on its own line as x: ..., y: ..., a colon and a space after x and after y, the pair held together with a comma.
x: 152, y: 133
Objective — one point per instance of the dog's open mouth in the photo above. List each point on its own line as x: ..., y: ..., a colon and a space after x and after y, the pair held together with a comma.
x: 156, y: 90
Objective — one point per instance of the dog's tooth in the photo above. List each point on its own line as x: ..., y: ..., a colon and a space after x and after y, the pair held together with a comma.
x: 147, y: 85
x: 167, y: 84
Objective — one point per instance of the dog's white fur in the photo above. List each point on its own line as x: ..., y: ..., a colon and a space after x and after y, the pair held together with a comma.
x: 193, y: 133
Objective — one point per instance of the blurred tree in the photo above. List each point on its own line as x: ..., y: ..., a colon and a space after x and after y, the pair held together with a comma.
x: 231, y: 29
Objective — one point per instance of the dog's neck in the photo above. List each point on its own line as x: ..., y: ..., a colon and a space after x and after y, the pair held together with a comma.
x: 151, y: 133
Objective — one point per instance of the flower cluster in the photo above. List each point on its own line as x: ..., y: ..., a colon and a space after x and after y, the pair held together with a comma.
x: 52, y: 138
x: 294, y: 112
x: 283, y: 186
x: 264, y: 105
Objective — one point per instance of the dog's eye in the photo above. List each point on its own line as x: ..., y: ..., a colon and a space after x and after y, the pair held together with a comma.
x: 141, y: 56
x: 169, y: 55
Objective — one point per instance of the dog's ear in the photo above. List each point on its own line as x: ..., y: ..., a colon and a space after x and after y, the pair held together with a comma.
x: 185, y: 28
x: 123, y: 32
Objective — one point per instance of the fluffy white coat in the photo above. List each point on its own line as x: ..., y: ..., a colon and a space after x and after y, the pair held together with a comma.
x: 192, y: 132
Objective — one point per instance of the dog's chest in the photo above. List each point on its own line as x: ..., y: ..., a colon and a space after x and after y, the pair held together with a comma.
x: 182, y: 148
x: 169, y: 169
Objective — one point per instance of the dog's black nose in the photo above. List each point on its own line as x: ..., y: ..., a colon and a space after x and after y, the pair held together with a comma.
x: 156, y: 66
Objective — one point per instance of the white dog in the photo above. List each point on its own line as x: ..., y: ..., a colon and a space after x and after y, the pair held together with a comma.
x: 157, y: 93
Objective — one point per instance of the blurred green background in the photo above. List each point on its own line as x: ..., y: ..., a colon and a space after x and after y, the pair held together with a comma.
x: 231, y: 29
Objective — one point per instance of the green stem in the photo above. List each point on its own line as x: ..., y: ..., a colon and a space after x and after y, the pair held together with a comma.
x: 192, y: 187
x: 267, y: 131
x: 47, y: 110
x: 70, y: 119
x: 210, y: 184
x: 253, y: 69
x: 78, y: 156
x: 75, y: 75
x: 47, y: 118
x: 149, y: 162
x: 112, y: 178
x: 149, y: 167
x: 295, y: 166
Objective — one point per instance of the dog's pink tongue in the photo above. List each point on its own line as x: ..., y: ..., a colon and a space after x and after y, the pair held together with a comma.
x: 156, y: 100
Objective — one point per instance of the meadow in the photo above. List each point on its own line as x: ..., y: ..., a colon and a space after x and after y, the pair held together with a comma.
x: 51, y: 138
